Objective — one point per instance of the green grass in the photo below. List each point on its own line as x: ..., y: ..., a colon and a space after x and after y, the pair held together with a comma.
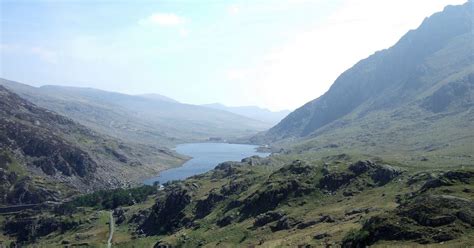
x: 242, y: 233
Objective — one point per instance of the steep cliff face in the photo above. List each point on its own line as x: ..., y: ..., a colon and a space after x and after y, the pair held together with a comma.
x: 38, y: 146
x: 440, y: 51
x: 36, y: 134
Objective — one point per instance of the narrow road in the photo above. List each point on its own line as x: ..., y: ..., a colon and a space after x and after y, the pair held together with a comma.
x: 111, y: 230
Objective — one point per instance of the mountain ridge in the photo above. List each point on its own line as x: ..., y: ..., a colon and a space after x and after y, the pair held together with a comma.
x: 253, y: 112
x: 396, y: 73
x: 137, y: 118
x: 39, y: 145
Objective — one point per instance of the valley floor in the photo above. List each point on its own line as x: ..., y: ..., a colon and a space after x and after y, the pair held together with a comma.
x: 271, y: 202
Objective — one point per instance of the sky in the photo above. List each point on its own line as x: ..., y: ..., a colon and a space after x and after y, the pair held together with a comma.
x: 276, y: 54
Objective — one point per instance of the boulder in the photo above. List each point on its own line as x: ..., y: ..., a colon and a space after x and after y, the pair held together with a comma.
x: 321, y: 235
x: 225, y: 221
x: 119, y: 215
x: 361, y: 166
x: 384, y: 174
x: 336, y: 180
x: 205, y: 206
x: 284, y: 223
x: 267, y: 217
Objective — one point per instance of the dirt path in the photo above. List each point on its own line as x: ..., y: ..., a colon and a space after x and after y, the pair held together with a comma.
x: 111, y: 230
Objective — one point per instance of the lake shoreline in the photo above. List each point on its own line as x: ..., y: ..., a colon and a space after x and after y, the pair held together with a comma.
x: 204, y: 157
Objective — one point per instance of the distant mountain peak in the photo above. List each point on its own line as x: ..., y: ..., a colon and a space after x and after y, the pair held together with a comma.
x: 438, y: 51
x: 253, y: 112
x: 154, y: 96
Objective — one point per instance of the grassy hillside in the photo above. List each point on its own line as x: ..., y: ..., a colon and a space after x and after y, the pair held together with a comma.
x: 38, y: 146
x: 277, y: 202
x: 138, y: 119
x: 404, y: 82
x: 385, y: 158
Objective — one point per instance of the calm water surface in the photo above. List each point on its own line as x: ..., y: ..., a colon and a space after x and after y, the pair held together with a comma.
x: 205, y: 156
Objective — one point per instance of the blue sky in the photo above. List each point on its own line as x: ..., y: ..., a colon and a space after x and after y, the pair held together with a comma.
x: 277, y: 54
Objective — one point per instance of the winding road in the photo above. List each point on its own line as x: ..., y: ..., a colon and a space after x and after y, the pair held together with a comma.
x: 111, y: 230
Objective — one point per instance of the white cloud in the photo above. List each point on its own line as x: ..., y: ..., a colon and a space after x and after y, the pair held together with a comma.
x: 233, y: 10
x: 163, y: 19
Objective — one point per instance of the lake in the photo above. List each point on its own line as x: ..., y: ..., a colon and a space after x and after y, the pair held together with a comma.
x: 205, y: 156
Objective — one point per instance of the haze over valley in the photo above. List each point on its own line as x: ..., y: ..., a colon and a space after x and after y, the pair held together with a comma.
x: 258, y: 124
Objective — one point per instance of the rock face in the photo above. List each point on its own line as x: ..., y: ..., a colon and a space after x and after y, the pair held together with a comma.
x: 334, y: 181
x: 25, y: 192
x: 457, y: 94
x: 28, y: 229
x: 384, y: 174
x: 284, y: 223
x: 43, y: 145
x: 205, y: 206
x: 393, y: 77
x: 292, y: 180
x: 267, y: 217
x: 167, y: 214
x: 119, y: 215
x: 34, y: 132
x: 448, y: 178
x: 424, y: 219
x: 362, y: 166
x: 18, y: 190
x: 380, y: 174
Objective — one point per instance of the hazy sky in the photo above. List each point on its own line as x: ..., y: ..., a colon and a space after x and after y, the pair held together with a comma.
x: 277, y: 54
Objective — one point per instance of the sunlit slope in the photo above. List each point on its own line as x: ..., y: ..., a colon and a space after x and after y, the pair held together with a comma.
x: 142, y: 119
x: 416, y: 96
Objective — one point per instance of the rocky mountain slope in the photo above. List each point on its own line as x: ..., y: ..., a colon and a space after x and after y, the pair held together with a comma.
x: 426, y: 77
x: 390, y: 166
x: 139, y: 119
x: 273, y: 202
x: 41, y: 148
x: 253, y: 112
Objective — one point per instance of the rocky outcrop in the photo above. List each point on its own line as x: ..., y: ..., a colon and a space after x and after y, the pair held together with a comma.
x: 35, y: 132
x: 28, y: 229
x: 423, y: 219
x: 255, y: 160
x: 384, y: 174
x: 17, y: 191
x: 284, y: 223
x: 226, y: 169
x: 297, y: 167
x: 205, y: 206
x: 26, y: 192
x: 226, y: 220
x: 119, y: 215
x: 321, y: 219
x: 167, y: 214
x: 334, y: 181
x: 293, y: 180
x: 236, y: 187
x: 380, y: 174
x: 447, y: 179
x: 454, y: 94
x: 267, y: 217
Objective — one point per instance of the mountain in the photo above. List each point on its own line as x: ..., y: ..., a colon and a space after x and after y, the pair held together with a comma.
x: 253, y: 112
x: 138, y: 119
x: 158, y: 97
x: 45, y: 155
x: 393, y: 100
x: 391, y: 167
